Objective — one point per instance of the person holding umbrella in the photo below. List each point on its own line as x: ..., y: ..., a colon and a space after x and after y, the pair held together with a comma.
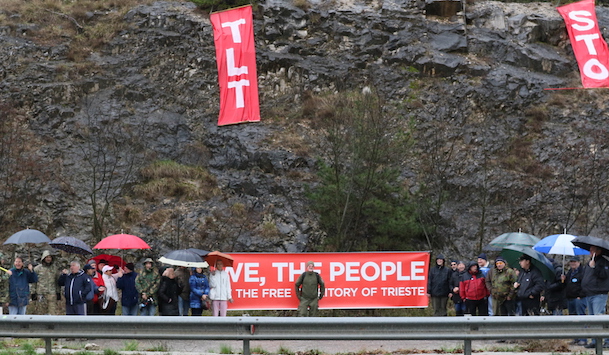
x: 595, y: 285
x: 529, y: 286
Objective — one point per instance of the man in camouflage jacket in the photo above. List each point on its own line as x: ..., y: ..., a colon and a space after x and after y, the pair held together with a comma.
x: 500, y: 281
x: 46, y: 290
x: 147, y: 284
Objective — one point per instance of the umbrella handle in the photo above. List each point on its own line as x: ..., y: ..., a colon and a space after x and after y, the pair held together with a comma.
x: 3, y: 269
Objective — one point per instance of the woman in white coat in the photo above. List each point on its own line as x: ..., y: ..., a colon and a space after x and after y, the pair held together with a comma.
x: 220, y: 291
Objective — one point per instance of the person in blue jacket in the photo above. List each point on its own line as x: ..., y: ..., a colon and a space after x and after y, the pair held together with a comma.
x: 19, y: 286
x: 199, y: 291
x: 77, y: 290
x: 130, y: 297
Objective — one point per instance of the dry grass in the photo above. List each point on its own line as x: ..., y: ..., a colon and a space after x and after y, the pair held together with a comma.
x: 85, y: 24
x: 170, y: 179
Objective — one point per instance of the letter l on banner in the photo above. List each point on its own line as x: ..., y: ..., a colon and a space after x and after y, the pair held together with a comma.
x: 236, y: 60
x: 587, y: 41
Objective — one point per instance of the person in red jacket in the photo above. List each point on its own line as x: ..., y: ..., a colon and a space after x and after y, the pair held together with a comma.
x: 473, y: 290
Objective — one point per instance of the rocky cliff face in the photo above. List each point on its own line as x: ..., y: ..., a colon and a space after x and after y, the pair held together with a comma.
x: 494, y: 151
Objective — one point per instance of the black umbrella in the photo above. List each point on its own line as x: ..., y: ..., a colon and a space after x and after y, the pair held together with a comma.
x: 200, y: 252
x: 585, y: 242
x: 28, y: 236
x: 71, y: 245
x: 183, y: 257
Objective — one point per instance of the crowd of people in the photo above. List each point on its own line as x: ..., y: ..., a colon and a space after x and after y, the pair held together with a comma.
x: 484, y: 288
x: 97, y: 288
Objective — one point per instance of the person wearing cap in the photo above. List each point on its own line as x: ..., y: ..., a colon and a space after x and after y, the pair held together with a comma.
x: 129, y: 296
x: 438, y: 286
x: 310, y: 288
x: 77, y: 289
x: 147, y: 284
x: 46, y: 290
x: 109, y: 298
x: 90, y: 271
x: 529, y: 286
x: 500, y: 282
x: 220, y: 291
x: 576, y: 300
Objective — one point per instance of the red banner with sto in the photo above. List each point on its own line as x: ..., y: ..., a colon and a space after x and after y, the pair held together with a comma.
x: 587, y: 41
x: 265, y: 281
x: 236, y: 60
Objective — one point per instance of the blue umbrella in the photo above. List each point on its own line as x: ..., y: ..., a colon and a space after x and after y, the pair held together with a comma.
x: 560, y: 244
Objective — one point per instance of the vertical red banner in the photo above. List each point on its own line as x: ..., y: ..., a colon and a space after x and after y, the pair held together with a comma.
x: 587, y: 41
x: 236, y: 59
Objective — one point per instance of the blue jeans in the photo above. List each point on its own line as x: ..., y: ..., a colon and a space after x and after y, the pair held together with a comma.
x: 130, y: 310
x: 150, y: 310
x: 12, y: 310
x: 596, y: 304
x: 460, y: 308
x: 184, y: 306
x: 577, y: 306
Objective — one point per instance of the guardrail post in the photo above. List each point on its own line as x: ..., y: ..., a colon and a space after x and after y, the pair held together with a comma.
x: 48, y: 345
x: 467, y: 347
x: 599, y: 346
x: 246, y: 347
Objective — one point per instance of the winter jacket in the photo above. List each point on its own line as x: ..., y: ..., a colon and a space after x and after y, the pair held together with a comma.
x: 596, y: 280
x: 438, y: 281
x: 199, y: 286
x: 455, y: 281
x: 148, y: 282
x: 130, y: 297
x: 531, y: 283
x: 183, y: 276
x: 500, y: 283
x: 310, y: 286
x: 169, y: 291
x: 77, y: 287
x: 474, y: 287
x: 47, y: 276
x: 556, y: 295
x: 219, y: 286
x: 19, y: 286
x: 573, y: 283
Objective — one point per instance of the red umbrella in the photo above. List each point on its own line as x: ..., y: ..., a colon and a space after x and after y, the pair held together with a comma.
x: 214, y: 256
x: 113, y: 260
x: 122, y: 241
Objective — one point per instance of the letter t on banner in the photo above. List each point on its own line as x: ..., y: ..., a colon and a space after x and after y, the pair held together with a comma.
x: 236, y: 59
x: 588, y: 44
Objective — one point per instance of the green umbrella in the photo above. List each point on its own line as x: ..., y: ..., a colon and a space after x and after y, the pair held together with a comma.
x: 514, y: 238
x: 512, y: 254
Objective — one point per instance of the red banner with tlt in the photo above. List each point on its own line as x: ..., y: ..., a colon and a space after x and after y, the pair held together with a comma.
x: 265, y: 281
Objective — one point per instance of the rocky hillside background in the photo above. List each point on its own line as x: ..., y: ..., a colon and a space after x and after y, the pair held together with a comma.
x: 109, y: 122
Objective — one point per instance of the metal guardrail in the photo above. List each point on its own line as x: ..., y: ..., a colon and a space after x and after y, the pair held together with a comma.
x: 292, y: 328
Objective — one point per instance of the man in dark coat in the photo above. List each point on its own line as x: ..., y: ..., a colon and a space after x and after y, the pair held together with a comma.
x: 438, y: 286
x: 456, y: 278
x: 595, y: 285
x: 576, y: 299
x: 77, y: 290
x: 529, y: 286
x: 19, y: 282
x: 130, y: 297
x: 556, y: 295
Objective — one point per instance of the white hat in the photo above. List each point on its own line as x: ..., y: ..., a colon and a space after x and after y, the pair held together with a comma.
x: 106, y: 268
